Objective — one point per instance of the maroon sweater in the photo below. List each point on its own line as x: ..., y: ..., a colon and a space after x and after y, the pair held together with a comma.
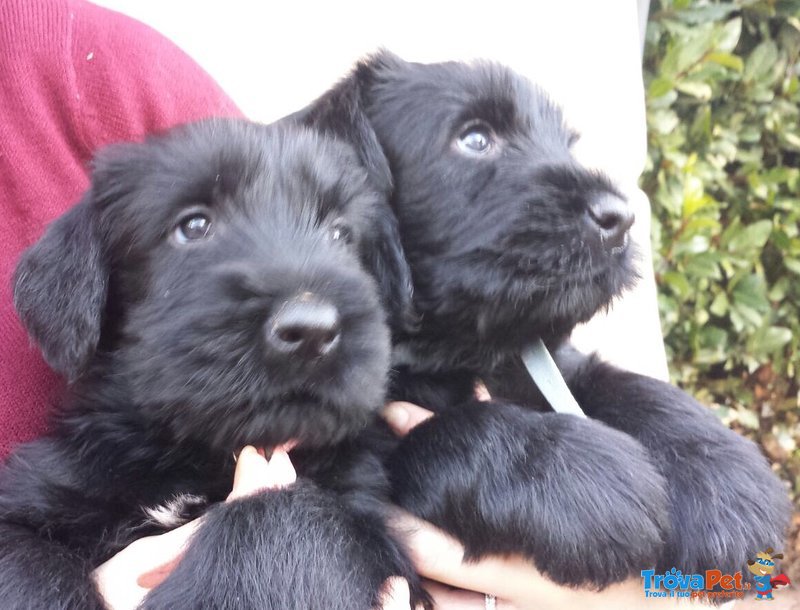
x: 73, y: 77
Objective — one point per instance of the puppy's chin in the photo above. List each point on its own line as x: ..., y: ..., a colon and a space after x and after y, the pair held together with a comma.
x: 574, y: 293
x: 492, y: 306
x: 301, y: 418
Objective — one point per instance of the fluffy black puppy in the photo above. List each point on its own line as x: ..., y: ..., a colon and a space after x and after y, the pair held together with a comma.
x: 207, y: 293
x: 509, y: 239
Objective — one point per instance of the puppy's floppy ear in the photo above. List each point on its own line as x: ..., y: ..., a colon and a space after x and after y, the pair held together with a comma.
x: 60, y: 287
x: 342, y: 113
x: 382, y: 253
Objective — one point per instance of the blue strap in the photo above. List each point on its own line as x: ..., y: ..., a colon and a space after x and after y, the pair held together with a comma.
x: 545, y: 374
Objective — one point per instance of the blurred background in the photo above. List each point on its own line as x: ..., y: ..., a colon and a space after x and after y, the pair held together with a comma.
x: 723, y: 177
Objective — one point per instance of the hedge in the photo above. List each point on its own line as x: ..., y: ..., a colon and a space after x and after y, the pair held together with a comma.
x: 723, y: 176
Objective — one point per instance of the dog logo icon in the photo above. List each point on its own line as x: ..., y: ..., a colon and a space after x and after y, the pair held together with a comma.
x: 762, y: 568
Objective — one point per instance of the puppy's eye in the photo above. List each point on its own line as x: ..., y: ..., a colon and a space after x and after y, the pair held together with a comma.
x: 341, y: 232
x: 475, y: 140
x: 193, y: 227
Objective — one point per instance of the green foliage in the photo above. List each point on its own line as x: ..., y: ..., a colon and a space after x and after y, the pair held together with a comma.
x: 723, y: 175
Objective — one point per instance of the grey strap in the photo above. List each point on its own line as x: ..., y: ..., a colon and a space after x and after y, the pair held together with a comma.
x: 545, y: 374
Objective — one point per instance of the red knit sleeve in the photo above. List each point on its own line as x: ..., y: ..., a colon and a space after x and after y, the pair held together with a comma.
x: 132, y: 81
x: 74, y: 77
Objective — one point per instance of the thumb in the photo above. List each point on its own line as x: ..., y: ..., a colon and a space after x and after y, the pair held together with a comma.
x: 402, y: 417
x: 255, y: 473
x: 170, y: 548
x: 395, y: 595
x: 440, y: 557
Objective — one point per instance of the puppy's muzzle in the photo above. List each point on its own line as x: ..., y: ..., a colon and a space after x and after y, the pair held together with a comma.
x: 609, y: 218
x: 305, y: 327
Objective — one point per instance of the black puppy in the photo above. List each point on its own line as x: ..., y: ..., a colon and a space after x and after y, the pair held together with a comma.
x: 207, y: 293
x: 509, y: 239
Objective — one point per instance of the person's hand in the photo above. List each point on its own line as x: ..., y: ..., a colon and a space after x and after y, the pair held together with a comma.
x: 125, y: 579
x: 396, y: 595
x: 516, y: 583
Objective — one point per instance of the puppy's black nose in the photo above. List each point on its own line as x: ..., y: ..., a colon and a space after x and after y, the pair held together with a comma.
x: 306, y: 327
x: 610, y: 218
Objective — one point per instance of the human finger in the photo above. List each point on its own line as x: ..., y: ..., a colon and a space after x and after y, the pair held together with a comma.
x: 403, y: 416
x: 446, y: 597
x: 169, y: 547
x: 255, y: 473
x: 440, y: 557
x: 396, y: 595
x: 151, y: 558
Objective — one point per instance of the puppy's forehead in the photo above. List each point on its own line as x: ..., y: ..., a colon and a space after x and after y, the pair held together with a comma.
x: 453, y: 93
x: 262, y: 166
x: 232, y: 165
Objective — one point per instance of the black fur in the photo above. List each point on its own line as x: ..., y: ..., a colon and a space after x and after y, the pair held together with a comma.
x: 580, y: 500
x: 502, y: 250
x: 169, y: 344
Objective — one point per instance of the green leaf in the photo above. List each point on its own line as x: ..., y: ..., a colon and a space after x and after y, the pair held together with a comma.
x: 770, y: 339
x: 678, y: 283
x: 729, y: 38
x: 750, y: 133
x: 792, y: 264
x: 681, y: 57
x: 713, y: 342
x: 663, y: 121
x: 719, y: 306
x: 700, y: 130
x: 763, y: 93
x: 778, y: 290
x: 751, y: 293
x: 726, y: 59
x: 761, y: 61
x: 659, y: 86
x: 705, y: 265
x: 747, y: 418
x: 696, y: 89
x: 751, y: 237
x: 791, y: 140
x: 694, y: 245
x: 706, y: 13
x: 702, y: 224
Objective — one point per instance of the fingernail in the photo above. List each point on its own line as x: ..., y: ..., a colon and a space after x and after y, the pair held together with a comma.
x: 282, y: 472
x: 244, y: 450
x: 396, y: 415
x: 395, y: 593
x: 251, y: 455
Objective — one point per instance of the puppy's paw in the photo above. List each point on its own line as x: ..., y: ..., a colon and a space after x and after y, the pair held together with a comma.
x: 726, y: 504
x: 297, y: 547
x: 580, y: 500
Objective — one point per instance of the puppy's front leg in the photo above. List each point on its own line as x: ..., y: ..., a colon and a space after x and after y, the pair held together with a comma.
x: 55, y: 528
x: 725, y: 503
x: 293, y: 548
x: 580, y: 500
x: 38, y: 573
